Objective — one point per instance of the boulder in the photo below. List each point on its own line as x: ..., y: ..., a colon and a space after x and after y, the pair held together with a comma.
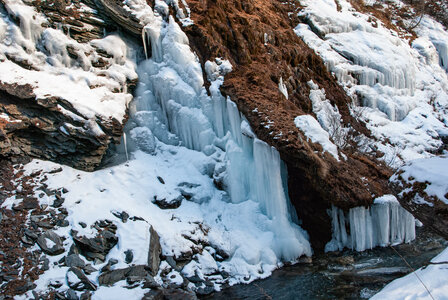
x: 109, y: 278
x: 50, y: 243
x: 77, y: 280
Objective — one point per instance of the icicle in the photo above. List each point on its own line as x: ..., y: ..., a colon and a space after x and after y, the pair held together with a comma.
x: 144, y: 40
x: 125, y: 146
x: 383, y: 224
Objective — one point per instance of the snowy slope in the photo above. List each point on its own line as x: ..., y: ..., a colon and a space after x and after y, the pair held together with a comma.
x: 399, y: 88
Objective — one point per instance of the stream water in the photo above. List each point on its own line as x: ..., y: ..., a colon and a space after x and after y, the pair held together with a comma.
x: 341, y: 275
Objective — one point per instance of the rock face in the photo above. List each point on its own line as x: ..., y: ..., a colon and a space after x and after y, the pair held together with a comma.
x: 421, y: 189
x: 257, y: 37
x: 56, y: 79
x: 34, y: 128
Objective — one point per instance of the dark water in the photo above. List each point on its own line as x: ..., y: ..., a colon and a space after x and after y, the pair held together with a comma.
x: 342, y: 275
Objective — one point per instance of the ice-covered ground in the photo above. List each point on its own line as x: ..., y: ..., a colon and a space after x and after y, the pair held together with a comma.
x: 399, y: 88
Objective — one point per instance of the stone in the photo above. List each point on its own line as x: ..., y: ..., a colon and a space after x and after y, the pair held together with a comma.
x: 73, y: 260
x: 82, y: 224
x: 129, y: 256
x: 123, y: 216
x: 97, y: 247
x: 78, y: 281
x: 71, y: 295
x: 150, y: 283
x: 153, y: 295
x: 169, y: 204
x: 86, y: 296
x: 154, y: 251
x: 109, y: 278
x: 161, y: 180
x: 50, y: 243
x: 178, y: 294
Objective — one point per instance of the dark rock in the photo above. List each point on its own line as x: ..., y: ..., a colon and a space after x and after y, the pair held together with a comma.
x: 97, y: 247
x: 178, y: 294
x: 71, y: 295
x: 150, y: 283
x: 86, y: 296
x: 113, y: 276
x: 168, y: 204
x: 43, y: 243
x: 129, y: 256
x: 153, y: 295
x: 31, y: 234
x: 88, y: 269
x: 123, y: 216
x: 73, y: 260
x: 58, y: 202
x: 62, y: 223
x: 161, y: 180
x: 24, y: 287
x: 77, y: 280
x: 55, y: 284
x: 154, y: 252
x: 206, y: 290
x: 82, y: 224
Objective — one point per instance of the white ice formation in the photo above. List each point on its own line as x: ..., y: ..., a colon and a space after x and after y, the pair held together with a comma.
x: 172, y: 104
x: 399, y: 89
x: 384, y: 223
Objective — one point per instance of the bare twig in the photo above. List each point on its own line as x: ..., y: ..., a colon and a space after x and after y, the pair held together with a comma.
x: 413, y: 270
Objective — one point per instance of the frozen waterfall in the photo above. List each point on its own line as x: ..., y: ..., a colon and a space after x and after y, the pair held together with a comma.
x: 384, y: 223
x: 173, y: 106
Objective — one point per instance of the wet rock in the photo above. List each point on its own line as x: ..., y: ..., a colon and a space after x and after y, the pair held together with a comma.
x: 77, y: 280
x: 154, y: 252
x: 169, y: 204
x: 345, y: 260
x: 50, y: 243
x: 129, y: 256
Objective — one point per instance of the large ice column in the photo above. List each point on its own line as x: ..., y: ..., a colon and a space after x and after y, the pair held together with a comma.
x: 173, y: 105
x: 384, y: 223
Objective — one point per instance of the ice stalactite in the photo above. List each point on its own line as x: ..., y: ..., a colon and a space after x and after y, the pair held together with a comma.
x: 173, y: 104
x: 384, y: 223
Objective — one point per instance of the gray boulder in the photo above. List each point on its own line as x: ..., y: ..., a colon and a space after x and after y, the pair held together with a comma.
x: 50, y: 243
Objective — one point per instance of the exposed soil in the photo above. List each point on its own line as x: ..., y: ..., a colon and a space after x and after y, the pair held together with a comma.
x: 257, y: 37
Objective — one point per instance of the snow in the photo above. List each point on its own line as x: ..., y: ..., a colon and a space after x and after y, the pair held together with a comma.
x: 384, y: 223
x: 430, y: 170
x: 399, y: 90
x: 409, y: 287
x: 194, y: 141
x: 91, y: 91
x: 312, y: 129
